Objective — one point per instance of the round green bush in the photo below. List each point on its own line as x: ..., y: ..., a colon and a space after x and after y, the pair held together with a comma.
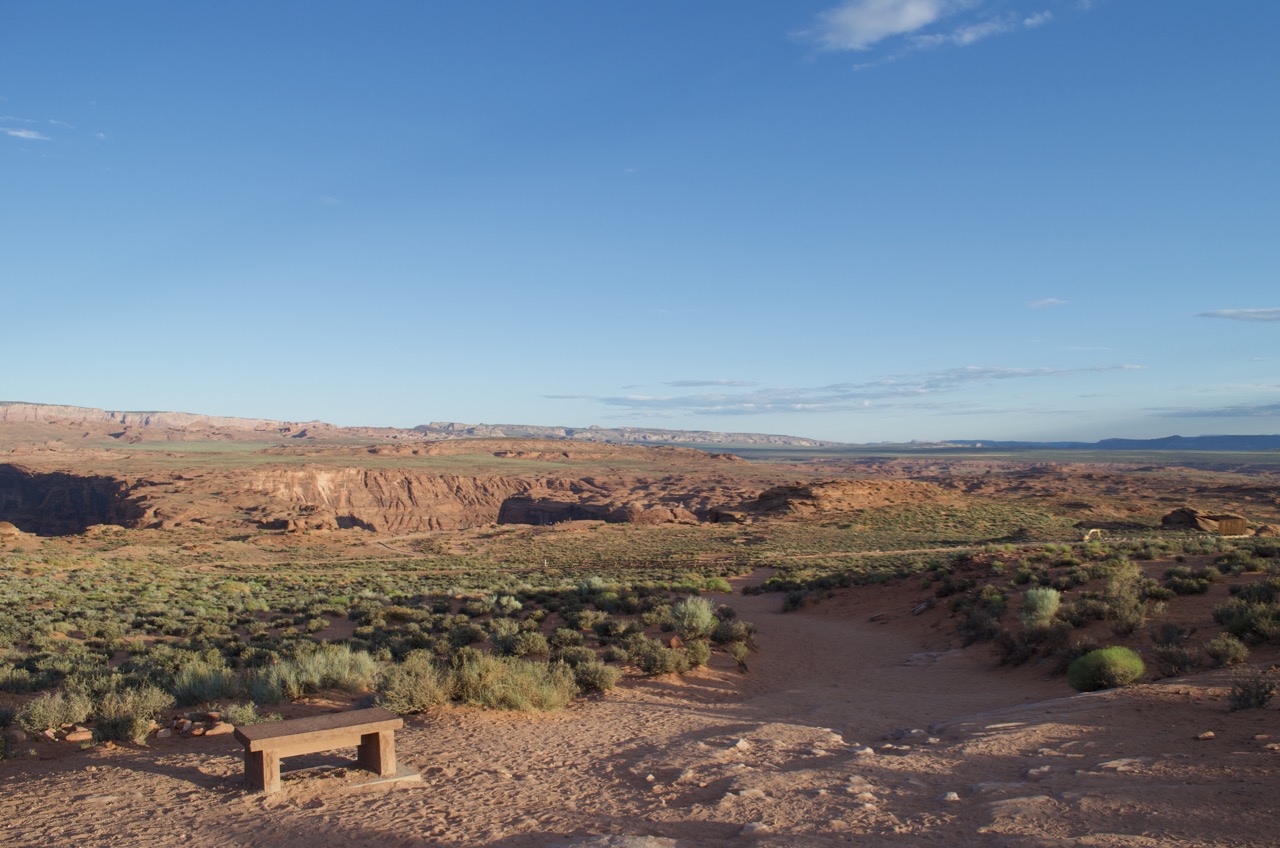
x: 1105, y: 668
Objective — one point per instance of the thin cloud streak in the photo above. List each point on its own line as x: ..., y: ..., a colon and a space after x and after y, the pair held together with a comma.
x: 25, y: 135
x: 1048, y: 301
x: 1242, y: 314
x: 896, y: 391
x: 860, y: 25
x: 690, y: 384
x: 1243, y: 410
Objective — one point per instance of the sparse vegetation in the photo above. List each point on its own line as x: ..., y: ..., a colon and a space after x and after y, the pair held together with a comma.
x: 1251, y: 691
x: 1105, y: 668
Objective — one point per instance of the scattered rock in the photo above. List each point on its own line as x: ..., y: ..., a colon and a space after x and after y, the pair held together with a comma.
x: 949, y: 796
x: 1126, y: 764
x: 220, y: 729
x: 79, y: 736
x: 617, y: 842
x: 757, y: 794
x: 742, y: 745
x: 1206, y: 736
x: 754, y: 828
x: 864, y: 751
x: 1038, y: 773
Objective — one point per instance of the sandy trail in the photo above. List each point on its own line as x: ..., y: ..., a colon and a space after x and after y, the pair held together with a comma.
x: 774, y: 757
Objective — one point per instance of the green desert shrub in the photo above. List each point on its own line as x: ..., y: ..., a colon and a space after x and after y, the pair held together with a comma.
x: 653, y: 658
x: 1039, y: 606
x: 506, y: 683
x: 732, y: 630
x: 326, y: 667
x: 739, y: 651
x: 699, y: 653
x: 244, y: 714
x: 563, y: 637
x: 1246, y: 620
x: 127, y: 715
x: 1105, y: 668
x: 574, y: 655
x: 16, y: 679
x: 1176, y: 659
x: 694, y: 618
x: 201, y: 681
x: 467, y: 634
x: 794, y: 600
x: 594, y: 676
x: 526, y: 644
x: 54, y: 710
x: 1251, y: 691
x: 1083, y: 610
x: 1226, y: 650
x: 414, y: 685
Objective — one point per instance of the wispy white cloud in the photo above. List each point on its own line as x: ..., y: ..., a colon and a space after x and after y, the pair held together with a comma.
x: 966, y: 34
x: 25, y: 135
x: 62, y: 124
x: 1243, y: 314
x: 1047, y: 301
x: 686, y: 384
x: 861, y: 25
x: 895, y: 391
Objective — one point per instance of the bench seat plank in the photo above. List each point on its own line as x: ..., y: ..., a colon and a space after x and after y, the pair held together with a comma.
x: 370, y: 731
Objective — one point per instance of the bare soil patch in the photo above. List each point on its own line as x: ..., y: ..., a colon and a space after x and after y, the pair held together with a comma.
x: 856, y: 721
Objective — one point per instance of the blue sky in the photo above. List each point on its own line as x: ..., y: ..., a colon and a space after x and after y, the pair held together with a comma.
x: 865, y: 221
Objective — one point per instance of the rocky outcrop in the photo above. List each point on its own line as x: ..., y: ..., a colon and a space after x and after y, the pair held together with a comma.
x: 383, y: 500
x: 400, y: 501
x: 844, y: 495
x: 58, y: 503
x: 1190, y: 518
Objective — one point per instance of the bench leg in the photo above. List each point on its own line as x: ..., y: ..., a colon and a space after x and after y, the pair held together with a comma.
x: 262, y: 770
x: 377, y: 753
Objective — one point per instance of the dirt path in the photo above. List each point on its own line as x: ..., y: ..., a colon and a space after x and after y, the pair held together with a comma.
x: 791, y: 754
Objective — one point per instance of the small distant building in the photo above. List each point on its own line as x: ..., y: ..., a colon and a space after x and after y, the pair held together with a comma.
x: 1189, y: 518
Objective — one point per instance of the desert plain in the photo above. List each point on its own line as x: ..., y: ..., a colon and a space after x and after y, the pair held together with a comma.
x: 890, y: 688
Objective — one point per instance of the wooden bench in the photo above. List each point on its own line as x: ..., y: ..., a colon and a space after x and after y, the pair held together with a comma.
x: 371, y: 730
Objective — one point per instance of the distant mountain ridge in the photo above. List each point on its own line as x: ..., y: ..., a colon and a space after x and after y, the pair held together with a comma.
x: 1170, y: 443
x: 616, y: 435
x: 20, y: 412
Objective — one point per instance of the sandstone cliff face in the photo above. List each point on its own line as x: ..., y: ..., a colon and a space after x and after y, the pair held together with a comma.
x: 328, y: 497
x: 385, y: 500
x: 404, y: 501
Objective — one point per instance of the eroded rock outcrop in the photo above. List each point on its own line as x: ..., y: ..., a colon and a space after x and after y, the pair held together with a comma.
x: 845, y: 495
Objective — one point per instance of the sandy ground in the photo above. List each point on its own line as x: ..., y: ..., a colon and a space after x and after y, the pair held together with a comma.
x: 847, y: 730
